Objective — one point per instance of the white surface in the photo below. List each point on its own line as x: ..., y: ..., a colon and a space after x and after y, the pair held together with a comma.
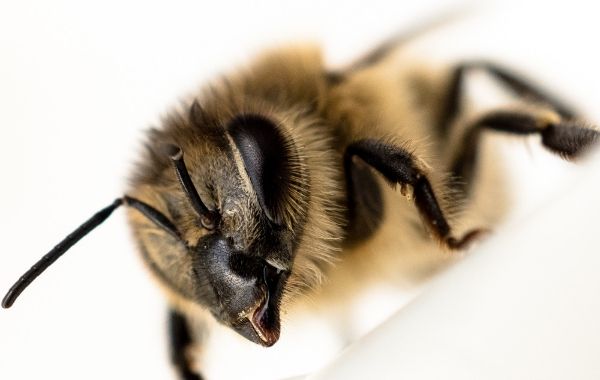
x: 525, y: 305
x: 79, y: 83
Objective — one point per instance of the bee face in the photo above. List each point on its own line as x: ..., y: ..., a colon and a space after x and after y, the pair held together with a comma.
x: 245, y: 289
x: 234, y: 260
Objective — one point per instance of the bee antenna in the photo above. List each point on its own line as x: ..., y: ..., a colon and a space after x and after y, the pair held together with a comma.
x: 176, y: 155
x: 48, y: 259
x: 57, y: 252
x: 154, y: 215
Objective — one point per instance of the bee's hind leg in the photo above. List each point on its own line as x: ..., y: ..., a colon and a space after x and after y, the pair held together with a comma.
x: 561, y: 131
x: 568, y: 138
x: 451, y: 107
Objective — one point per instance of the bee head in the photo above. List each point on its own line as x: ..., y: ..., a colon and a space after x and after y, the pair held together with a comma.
x: 238, y: 204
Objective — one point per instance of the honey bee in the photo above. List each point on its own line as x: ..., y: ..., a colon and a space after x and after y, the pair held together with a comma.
x: 283, y: 182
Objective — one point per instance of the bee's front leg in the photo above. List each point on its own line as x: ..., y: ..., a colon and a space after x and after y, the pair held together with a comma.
x: 181, y: 340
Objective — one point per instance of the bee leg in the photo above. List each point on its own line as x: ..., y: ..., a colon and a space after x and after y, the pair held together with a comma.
x: 565, y: 137
x: 181, y: 340
x: 365, y: 202
x: 400, y: 167
x: 521, y: 87
x: 389, y: 46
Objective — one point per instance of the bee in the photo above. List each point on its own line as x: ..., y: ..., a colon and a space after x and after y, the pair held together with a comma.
x: 284, y: 182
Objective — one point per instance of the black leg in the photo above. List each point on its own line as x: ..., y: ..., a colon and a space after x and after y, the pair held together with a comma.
x: 520, y: 86
x: 181, y: 340
x: 567, y: 138
x: 365, y: 202
x: 394, y: 43
x: 399, y: 167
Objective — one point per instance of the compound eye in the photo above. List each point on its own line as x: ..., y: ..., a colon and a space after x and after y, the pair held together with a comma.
x: 208, y: 221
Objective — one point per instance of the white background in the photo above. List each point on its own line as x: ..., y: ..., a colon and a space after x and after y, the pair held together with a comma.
x: 80, y: 82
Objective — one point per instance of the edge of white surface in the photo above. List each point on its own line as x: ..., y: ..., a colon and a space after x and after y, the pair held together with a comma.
x: 512, y: 309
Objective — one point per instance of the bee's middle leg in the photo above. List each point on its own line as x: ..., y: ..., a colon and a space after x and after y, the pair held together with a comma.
x: 400, y: 167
